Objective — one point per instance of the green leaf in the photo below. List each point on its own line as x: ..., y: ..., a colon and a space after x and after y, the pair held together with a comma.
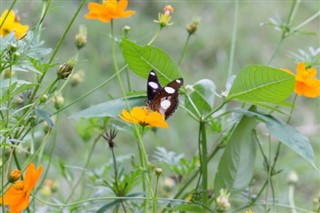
x: 189, y: 208
x: 236, y: 165
x: 256, y: 84
x: 286, y: 135
x: 110, y: 108
x: 142, y: 60
x: 200, y: 96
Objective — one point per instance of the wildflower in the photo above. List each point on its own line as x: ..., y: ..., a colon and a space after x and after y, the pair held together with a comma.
x: 12, y: 24
x: 144, y: 117
x: 306, y: 82
x: 108, y: 10
x: 222, y: 201
x: 164, y: 18
x: 18, y: 195
x: 14, y: 175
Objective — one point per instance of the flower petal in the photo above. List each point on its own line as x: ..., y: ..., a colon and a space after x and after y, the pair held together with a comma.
x: 32, y: 177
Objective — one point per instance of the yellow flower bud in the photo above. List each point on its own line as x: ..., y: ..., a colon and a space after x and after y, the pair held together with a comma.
x: 14, y: 175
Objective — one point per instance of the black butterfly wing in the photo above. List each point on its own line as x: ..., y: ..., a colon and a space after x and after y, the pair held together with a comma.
x: 166, y: 100
x: 153, y: 85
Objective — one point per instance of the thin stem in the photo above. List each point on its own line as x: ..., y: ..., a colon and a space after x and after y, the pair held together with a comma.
x: 204, y: 162
x: 184, y: 49
x: 11, y: 6
x: 234, y: 38
x: 291, y: 198
x: 141, y: 149
x: 155, y: 36
x: 155, y: 195
x: 306, y: 22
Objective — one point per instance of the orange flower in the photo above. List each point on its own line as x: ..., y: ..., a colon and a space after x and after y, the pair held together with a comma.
x: 144, y: 117
x: 10, y: 24
x: 18, y: 195
x: 306, y: 82
x: 108, y: 10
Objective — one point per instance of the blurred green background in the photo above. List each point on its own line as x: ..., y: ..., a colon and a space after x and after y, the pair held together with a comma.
x: 207, y: 57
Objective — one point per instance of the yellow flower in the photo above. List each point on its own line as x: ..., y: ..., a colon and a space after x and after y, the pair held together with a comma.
x: 10, y: 24
x: 306, y: 82
x: 108, y: 10
x: 144, y: 117
x: 18, y: 195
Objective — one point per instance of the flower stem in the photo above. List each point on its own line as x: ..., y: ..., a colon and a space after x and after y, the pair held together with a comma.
x: 291, y: 198
x: 155, y: 195
x: 155, y: 36
x: 306, y: 22
x: 204, y: 162
x: 142, y: 152
x: 184, y: 49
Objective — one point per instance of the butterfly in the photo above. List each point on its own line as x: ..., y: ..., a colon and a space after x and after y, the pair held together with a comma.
x: 163, y: 99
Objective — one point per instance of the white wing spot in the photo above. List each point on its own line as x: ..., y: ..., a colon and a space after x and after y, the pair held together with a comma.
x: 153, y: 85
x: 165, y: 104
x: 152, y: 73
x: 178, y: 81
x: 169, y: 90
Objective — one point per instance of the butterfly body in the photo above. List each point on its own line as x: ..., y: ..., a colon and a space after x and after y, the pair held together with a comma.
x: 164, y: 100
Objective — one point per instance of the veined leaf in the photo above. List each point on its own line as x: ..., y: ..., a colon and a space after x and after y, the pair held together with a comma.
x: 142, y: 60
x: 286, y: 135
x: 200, y: 96
x: 110, y: 108
x: 236, y: 165
x: 256, y: 84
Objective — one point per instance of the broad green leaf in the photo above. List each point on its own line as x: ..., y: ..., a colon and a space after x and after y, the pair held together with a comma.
x: 256, y: 84
x: 143, y: 59
x: 200, y: 96
x: 286, y: 135
x: 236, y: 165
x: 110, y: 108
x: 189, y: 208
